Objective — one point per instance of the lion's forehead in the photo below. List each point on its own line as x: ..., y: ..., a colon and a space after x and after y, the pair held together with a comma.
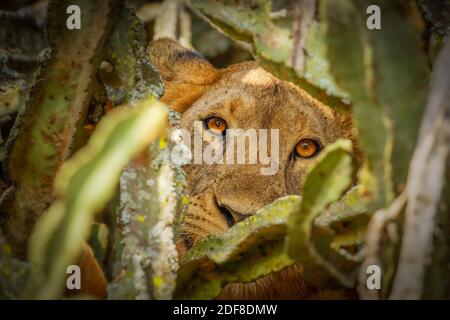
x: 271, y: 106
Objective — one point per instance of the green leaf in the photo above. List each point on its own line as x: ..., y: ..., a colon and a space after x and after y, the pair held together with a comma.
x: 401, y: 77
x: 346, y: 219
x: 327, y: 180
x: 132, y: 77
x: 249, y: 250
x: 46, y: 130
x: 152, y: 199
x: 82, y: 188
x: 150, y: 189
x: 386, y: 73
x: 350, y: 56
x: 275, y: 43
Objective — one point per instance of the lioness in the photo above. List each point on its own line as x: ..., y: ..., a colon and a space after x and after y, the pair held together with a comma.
x: 244, y: 96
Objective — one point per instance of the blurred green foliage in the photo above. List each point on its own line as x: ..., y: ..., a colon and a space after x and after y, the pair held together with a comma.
x: 83, y: 186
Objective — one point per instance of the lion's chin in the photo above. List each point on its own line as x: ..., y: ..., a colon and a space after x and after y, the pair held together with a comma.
x: 285, y: 284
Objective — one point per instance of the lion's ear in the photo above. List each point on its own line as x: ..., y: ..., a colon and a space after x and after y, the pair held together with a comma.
x: 185, y: 73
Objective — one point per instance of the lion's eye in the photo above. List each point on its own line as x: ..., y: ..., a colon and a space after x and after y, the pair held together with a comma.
x: 216, y: 124
x: 307, y: 148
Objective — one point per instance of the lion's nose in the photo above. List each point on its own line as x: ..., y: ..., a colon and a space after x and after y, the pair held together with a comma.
x: 231, y: 216
x: 227, y: 215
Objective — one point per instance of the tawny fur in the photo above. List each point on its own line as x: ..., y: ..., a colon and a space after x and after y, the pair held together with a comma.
x: 246, y: 96
x: 269, y: 288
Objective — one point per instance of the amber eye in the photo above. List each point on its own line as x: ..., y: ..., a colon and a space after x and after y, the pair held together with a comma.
x: 307, y: 148
x: 216, y: 124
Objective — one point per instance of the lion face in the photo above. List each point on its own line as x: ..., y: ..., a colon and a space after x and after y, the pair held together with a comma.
x: 242, y: 96
x: 248, y: 97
